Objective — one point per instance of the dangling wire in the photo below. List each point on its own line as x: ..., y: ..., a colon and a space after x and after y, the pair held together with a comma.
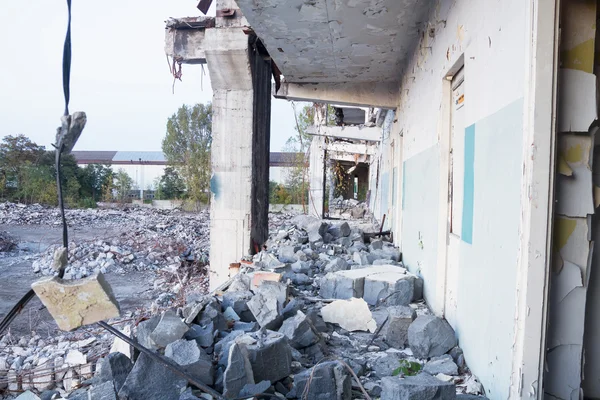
x: 67, y: 62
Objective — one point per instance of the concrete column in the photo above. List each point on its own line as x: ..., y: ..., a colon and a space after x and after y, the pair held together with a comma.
x: 316, y: 175
x: 240, y: 78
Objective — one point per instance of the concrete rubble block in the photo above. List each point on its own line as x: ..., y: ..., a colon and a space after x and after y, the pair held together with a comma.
x: 260, y: 276
x: 351, y: 315
x: 301, y: 267
x: 397, y: 288
x: 396, y: 328
x: 203, y: 335
x: 337, y: 264
x: 75, y: 358
x: 279, y: 289
x: 386, y: 363
x: 212, y: 314
x: 441, y: 365
x: 287, y: 254
x: 43, y: 375
x: 145, y: 329
x: 245, y: 326
x: 270, y: 356
x: 149, y: 380
x: 470, y: 397
x: 418, y: 289
x: 76, y: 303
x: 121, y: 346
x: 192, y: 357
x: 59, y: 258
x: 316, y: 320
x: 169, y: 329
x: 300, y: 331
x: 238, y: 301
x: 240, y: 282
x: 27, y: 395
x: 345, y: 229
x: 342, y: 285
x: 266, y: 309
x: 326, y: 381
x: 251, y: 390
x: 191, y: 310
x: 420, y: 387
x: 430, y: 336
x: 361, y: 258
x: 238, y: 373
x: 188, y: 395
x: 376, y: 244
x: 103, y: 391
x: 458, y: 357
x: 114, y: 368
x: 222, y: 346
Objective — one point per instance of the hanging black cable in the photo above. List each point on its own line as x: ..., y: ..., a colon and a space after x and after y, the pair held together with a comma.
x: 67, y: 62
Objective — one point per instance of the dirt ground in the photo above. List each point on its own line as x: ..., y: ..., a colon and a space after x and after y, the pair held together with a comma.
x: 133, y: 290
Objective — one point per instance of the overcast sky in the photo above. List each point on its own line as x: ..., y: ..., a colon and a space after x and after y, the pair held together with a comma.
x: 119, y: 77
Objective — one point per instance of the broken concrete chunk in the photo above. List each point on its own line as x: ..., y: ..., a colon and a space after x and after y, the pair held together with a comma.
x: 27, y: 395
x: 300, y: 331
x: 396, y: 328
x: 253, y: 389
x: 59, y: 258
x: 238, y: 372
x: 76, y: 303
x: 345, y: 229
x: 261, y: 276
x: 240, y: 282
x: 457, y: 356
x: 441, y: 365
x: 391, y: 288
x: 386, y: 364
x: 114, y: 368
x: 422, y: 386
x: 149, y: 380
x: 75, y: 358
x: 212, y: 314
x: 287, y: 254
x: 145, y: 329
x: 376, y: 244
x: 265, y: 308
x: 337, y: 264
x: 190, y: 355
x: 326, y: 381
x: 222, y: 347
x: 270, y: 356
x: 204, y: 336
x: 278, y: 289
x: 352, y: 315
x: 430, y: 336
x: 169, y: 329
x: 238, y: 301
x: 103, y: 391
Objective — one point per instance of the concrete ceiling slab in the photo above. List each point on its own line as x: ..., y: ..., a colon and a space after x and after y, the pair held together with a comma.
x: 338, y: 40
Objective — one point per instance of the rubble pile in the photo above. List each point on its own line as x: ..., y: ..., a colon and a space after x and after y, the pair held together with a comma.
x: 323, y: 313
x: 145, y: 239
x: 349, y: 209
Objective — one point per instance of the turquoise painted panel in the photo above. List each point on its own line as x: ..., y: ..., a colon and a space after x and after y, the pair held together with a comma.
x: 469, y: 186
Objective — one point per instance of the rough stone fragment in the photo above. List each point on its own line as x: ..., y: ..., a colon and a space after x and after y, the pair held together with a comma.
x: 376, y: 244
x: 396, y: 327
x: 390, y: 288
x: 266, y: 309
x: 75, y: 358
x: 261, y: 276
x: 204, y: 336
x: 348, y: 284
x: 76, y: 303
x: 27, y: 396
x: 188, y: 395
x: 149, y: 380
x: 278, y: 289
x: 441, y: 365
x: 328, y: 381
x: 338, y: 264
x: 252, y: 389
x: 169, y: 329
x: 212, y: 313
x: 373, y: 388
x: 121, y: 346
x: 59, y: 258
x: 458, y: 357
x: 103, y: 391
x: 287, y: 254
x: 420, y: 387
x: 470, y: 397
x: 418, y: 290
x: 114, y: 368
x: 43, y: 375
x: 386, y: 364
x: 345, y: 229
x: 239, y: 371
x: 317, y: 320
x: 238, y: 301
x: 240, y: 282
x: 223, y: 346
x: 190, y: 355
x: 361, y: 258
x: 245, y: 326
x: 230, y: 315
x: 145, y: 329
x: 430, y: 336
x: 351, y: 315
x: 300, y: 331
x: 270, y: 356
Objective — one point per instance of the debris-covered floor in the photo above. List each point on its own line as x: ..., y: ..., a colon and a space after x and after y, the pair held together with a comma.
x: 327, y: 312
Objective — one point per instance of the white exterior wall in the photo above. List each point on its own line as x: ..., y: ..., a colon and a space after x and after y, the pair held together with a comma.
x: 493, y: 37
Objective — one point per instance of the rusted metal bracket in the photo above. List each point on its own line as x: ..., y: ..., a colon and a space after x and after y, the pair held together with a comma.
x: 226, y: 12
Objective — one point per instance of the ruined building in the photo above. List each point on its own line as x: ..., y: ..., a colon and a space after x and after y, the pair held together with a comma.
x: 480, y: 153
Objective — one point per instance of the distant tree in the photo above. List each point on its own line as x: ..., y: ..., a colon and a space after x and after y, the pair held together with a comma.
x: 171, y: 185
x: 187, y: 148
x: 17, y: 152
x: 92, y: 178
x: 123, y: 184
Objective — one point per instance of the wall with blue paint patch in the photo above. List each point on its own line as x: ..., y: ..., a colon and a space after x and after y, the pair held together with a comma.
x: 419, y: 223
x: 491, y: 38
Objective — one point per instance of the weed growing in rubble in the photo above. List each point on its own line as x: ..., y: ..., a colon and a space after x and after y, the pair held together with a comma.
x: 407, y: 368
